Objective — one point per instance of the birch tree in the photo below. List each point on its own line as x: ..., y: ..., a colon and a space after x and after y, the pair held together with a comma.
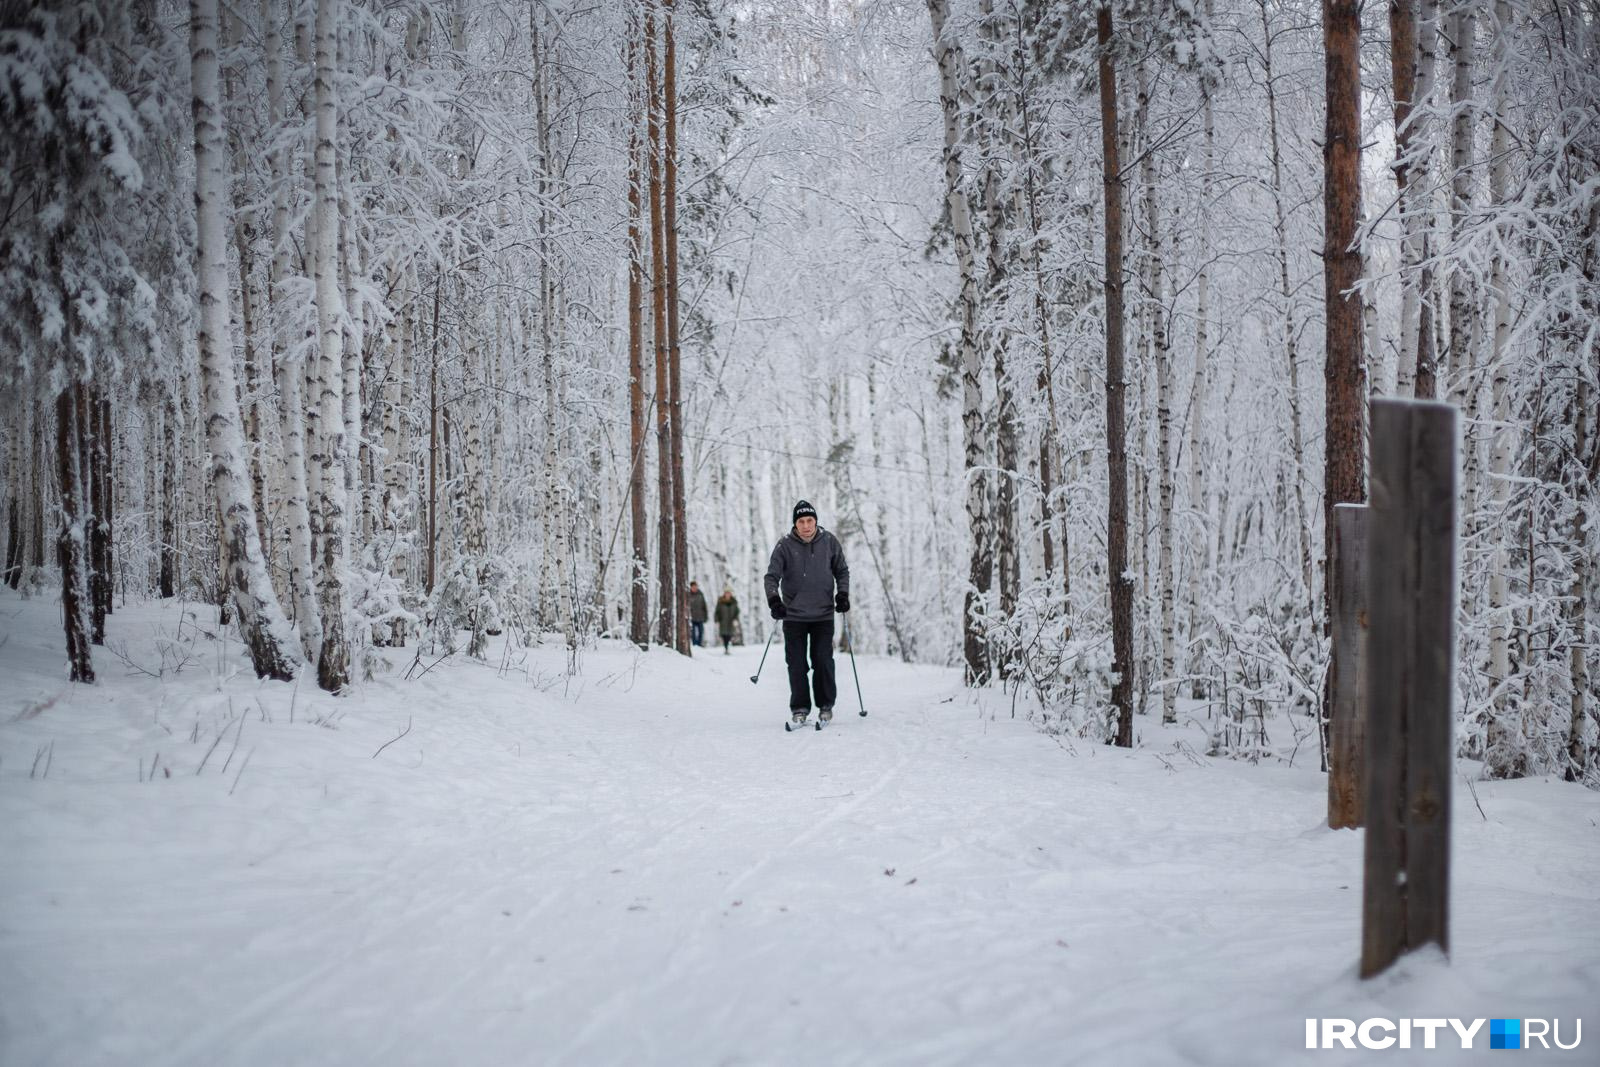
x: 261, y: 621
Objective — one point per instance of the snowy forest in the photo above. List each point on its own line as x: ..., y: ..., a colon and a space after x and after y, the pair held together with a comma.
x: 405, y: 324
x: 387, y: 385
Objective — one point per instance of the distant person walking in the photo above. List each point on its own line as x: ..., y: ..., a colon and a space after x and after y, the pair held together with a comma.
x: 807, y: 581
x: 697, y: 615
x: 726, y: 613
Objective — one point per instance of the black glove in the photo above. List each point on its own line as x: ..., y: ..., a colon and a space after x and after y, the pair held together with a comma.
x: 841, y: 602
x: 778, y: 610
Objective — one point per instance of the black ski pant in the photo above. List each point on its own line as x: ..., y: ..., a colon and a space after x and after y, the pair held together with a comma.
x: 817, y: 639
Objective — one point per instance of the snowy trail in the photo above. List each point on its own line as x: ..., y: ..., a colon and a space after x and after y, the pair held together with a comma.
x: 646, y: 869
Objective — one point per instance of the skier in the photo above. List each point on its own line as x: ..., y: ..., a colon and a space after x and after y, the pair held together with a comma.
x: 806, y: 568
x: 697, y: 615
x: 726, y: 613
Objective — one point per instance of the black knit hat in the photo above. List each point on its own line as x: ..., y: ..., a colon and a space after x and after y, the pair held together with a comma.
x: 803, y: 508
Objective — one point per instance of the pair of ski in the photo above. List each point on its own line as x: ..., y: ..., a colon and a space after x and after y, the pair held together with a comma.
x: 791, y: 725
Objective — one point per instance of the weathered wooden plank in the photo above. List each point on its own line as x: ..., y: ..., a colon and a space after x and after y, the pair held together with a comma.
x: 1347, y: 730
x: 1410, y: 657
x: 1430, y: 756
x: 1388, y: 569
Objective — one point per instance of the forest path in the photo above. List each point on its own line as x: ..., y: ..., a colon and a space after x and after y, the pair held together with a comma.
x: 641, y: 866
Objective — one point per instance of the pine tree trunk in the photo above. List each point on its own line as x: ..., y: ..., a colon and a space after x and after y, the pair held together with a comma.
x: 639, y: 572
x: 1403, y: 69
x: 668, y: 606
x: 265, y: 630
x: 975, y: 645
x: 333, y: 659
x: 69, y: 542
x: 108, y: 523
x: 1118, y: 577
x: 680, y: 532
x: 94, y: 454
x: 168, y: 443
x: 1344, y: 369
x: 15, y: 480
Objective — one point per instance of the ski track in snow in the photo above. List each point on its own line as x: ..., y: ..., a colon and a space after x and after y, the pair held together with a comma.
x: 642, y: 867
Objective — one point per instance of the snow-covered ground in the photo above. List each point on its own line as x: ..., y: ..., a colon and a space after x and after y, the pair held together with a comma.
x: 638, y: 866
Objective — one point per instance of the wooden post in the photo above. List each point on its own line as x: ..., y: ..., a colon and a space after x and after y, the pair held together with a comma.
x: 1347, y: 732
x: 1411, y: 596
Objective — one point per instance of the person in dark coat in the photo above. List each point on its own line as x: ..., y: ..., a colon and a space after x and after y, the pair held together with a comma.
x: 697, y: 615
x: 726, y: 613
x: 807, y: 581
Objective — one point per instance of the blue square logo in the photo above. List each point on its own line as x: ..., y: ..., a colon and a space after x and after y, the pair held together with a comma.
x: 1505, y: 1033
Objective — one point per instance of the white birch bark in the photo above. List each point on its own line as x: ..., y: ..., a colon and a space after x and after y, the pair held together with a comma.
x: 290, y: 373
x: 333, y: 660
x: 1290, y: 329
x: 354, y: 335
x: 261, y: 621
x: 555, y: 517
x: 1201, y: 402
x: 1459, y: 366
x: 1421, y: 193
x: 947, y: 55
x: 1502, y: 434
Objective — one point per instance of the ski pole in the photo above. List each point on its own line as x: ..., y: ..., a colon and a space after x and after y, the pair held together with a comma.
x: 851, y: 645
x: 763, y: 662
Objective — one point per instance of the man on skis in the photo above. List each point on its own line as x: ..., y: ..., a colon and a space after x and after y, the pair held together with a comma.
x: 807, y: 581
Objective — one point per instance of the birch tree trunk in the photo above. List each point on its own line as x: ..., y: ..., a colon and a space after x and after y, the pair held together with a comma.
x: 996, y: 130
x: 1420, y: 217
x: 1154, y: 308
x: 975, y: 644
x: 357, y: 519
x: 1584, y: 466
x: 1201, y: 394
x: 244, y: 233
x: 1502, y: 436
x: 265, y: 630
x: 1459, y: 363
x: 290, y: 373
x: 1302, y: 520
x: 1117, y: 575
x: 1462, y: 357
x: 1026, y: 205
x: 333, y: 660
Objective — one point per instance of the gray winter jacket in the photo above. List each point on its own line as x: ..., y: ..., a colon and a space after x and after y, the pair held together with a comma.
x: 807, y: 574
